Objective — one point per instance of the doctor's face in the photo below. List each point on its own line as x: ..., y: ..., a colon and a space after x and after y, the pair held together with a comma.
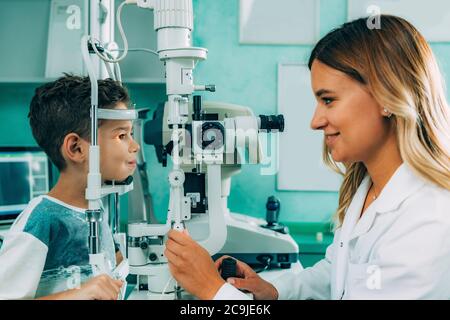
x: 352, y: 121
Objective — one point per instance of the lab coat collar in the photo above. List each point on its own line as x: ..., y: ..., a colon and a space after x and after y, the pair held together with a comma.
x: 400, y: 186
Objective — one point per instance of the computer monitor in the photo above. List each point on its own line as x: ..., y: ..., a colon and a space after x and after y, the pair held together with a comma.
x: 25, y: 173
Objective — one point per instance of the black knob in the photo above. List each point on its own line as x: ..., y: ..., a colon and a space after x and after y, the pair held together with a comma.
x: 197, y: 108
x: 164, y: 157
x: 228, y: 268
x: 210, y: 88
x: 272, y: 123
x: 143, y: 245
x: 153, y: 257
x: 272, y: 210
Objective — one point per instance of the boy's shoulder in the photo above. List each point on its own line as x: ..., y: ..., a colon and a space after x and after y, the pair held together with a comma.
x: 41, y: 215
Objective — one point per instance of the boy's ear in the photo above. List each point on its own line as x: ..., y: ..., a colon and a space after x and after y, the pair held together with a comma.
x: 74, y: 148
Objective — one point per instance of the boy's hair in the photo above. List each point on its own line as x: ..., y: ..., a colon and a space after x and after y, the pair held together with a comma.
x: 63, y: 106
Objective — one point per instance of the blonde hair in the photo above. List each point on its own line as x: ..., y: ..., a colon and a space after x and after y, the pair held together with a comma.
x: 398, y: 67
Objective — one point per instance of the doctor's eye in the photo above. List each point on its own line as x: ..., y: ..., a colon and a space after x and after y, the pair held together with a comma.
x: 327, y: 101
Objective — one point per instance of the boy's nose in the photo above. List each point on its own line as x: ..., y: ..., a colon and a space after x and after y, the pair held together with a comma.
x: 134, y: 147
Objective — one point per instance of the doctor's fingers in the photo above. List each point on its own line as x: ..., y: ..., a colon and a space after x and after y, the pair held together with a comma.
x: 243, y: 270
x: 250, y: 284
x: 175, y: 247
x: 179, y: 237
x: 173, y: 258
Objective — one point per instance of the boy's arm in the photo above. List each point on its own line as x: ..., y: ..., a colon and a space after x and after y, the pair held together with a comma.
x: 102, y: 287
x: 22, y: 260
x: 65, y: 295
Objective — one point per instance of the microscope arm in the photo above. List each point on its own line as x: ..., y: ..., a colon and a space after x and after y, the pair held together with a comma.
x: 217, y: 226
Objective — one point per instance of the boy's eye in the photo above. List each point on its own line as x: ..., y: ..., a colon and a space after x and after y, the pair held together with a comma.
x: 122, y: 136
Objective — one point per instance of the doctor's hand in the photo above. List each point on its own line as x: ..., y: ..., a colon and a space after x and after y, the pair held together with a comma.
x: 247, y: 279
x: 192, y: 266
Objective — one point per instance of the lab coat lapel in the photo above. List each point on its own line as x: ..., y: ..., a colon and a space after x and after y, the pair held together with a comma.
x: 351, y: 218
x: 364, y: 223
x: 402, y: 184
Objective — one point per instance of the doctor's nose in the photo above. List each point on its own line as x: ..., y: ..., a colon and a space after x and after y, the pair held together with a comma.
x: 318, y: 121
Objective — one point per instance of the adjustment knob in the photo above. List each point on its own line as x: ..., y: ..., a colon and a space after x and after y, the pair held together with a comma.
x: 228, y: 268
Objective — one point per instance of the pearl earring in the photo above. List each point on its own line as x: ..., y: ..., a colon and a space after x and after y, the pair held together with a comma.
x: 387, y: 112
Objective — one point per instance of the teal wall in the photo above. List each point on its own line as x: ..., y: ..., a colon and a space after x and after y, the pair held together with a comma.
x: 243, y: 74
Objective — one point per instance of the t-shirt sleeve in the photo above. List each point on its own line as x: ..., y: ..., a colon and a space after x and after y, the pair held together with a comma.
x: 22, y: 260
x: 23, y: 255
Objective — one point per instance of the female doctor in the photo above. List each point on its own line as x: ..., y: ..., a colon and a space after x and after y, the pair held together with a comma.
x: 382, y: 108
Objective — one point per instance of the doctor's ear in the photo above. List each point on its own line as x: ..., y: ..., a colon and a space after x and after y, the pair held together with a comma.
x: 75, y: 148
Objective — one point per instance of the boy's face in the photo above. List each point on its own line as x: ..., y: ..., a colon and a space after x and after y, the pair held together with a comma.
x: 117, y: 148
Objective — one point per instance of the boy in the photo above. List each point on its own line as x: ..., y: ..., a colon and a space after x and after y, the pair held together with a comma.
x: 49, y: 239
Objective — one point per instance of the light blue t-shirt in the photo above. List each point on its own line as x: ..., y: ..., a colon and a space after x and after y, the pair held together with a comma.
x: 46, y: 251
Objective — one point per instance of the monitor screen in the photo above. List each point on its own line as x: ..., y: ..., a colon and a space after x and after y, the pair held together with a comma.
x: 24, y: 174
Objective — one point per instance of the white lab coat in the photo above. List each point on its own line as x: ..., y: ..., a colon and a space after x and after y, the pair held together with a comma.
x: 399, y: 249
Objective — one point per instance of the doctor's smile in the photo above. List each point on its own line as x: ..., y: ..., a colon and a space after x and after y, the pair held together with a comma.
x: 331, y: 138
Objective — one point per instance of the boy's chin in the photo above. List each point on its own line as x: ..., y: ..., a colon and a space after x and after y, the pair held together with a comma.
x: 116, y: 178
x: 119, y: 175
